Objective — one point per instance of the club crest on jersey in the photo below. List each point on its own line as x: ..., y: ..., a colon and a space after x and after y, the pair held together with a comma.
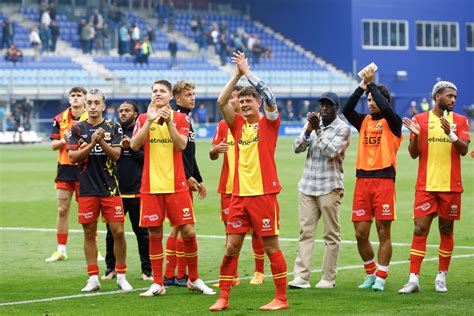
x: 378, y: 126
x: 386, y: 208
x: 453, y: 128
x: 118, y: 210
x: 266, y: 223
x: 107, y: 136
x: 186, y: 212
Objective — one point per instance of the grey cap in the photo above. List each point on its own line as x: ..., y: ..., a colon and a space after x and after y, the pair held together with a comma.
x: 440, y: 85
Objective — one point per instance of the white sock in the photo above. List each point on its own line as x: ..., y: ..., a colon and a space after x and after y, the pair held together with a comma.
x: 94, y: 278
x: 413, y: 278
x: 441, y: 276
x: 62, y: 248
x: 121, y: 276
x: 382, y: 268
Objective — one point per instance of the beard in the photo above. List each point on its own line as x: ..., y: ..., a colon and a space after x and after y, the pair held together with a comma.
x: 127, y: 122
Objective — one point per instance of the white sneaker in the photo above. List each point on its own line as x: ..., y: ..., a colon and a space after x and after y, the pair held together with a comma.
x: 440, y: 286
x: 154, y: 290
x: 299, y: 283
x: 100, y: 257
x: 92, y: 285
x: 123, y: 284
x: 199, y: 286
x: 325, y: 284
x: 56, y: 256
x: 410, y: 287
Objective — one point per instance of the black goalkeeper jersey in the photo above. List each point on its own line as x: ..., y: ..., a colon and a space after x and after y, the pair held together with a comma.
x: 98, y: 172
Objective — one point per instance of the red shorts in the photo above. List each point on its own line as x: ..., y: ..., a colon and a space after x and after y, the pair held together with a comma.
x: 260, y: 213
x: 374, y: 197
x: 225, y: 202
x: 177, y: 207
x: 90, y: 207
x: 444, y: 204
x: 70, y: 186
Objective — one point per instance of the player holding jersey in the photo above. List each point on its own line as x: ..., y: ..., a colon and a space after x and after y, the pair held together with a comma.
x: 438, y: 139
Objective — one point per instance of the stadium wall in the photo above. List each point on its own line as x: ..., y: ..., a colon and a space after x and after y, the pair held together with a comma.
x: 332, y: 29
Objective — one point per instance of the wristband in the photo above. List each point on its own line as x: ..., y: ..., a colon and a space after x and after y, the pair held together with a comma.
x: 63, y: 141
x: 452, y: 137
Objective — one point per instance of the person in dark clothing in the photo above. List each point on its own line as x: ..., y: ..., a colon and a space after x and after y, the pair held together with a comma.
x: 380, y: 135
x: 129, y: 171
x: 53, y: 27
x: 8, y: 32
x: 184, y: 94
x: 173, y: 49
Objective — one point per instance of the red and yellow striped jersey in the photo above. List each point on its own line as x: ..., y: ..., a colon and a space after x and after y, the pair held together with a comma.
x: 226, y: 180
x: 439, y: 165
x: 163, y: 170
x: 255, y: 173
x: 378, y: 146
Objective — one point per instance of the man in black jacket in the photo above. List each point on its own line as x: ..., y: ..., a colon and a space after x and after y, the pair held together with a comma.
x: 184, y: 93
x: 129, y: 169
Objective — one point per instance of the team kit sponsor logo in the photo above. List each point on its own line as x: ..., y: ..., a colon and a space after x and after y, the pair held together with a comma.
x: 160, y: 141
x: 250, y: 141
x: 235, y: 224
x: 373, y: 137
x: 423, y: 207
x: 151, y: 218
x: 358, y: 212
x: 87, y: 215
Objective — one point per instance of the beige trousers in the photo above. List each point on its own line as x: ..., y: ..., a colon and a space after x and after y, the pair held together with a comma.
x: 311, y: 208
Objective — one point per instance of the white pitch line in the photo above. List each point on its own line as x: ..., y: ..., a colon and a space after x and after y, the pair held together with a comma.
x: 351, y: 242
x: 60, y: 298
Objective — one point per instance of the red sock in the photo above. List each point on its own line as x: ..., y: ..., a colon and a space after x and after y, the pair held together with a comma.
x: 180, y: 259
x: 93, y: 269
x: 258, y: 253
x: 381, y: 274
x: 191, y: 255
x: 278, y: 266
x: 121, y: 268
x: 370, y: 267
x: 445, y: 251
x: 170, y: 266
x: 417, y: 253
x: 156, y: 258
x: 226, y: 277
x: 61, y: 238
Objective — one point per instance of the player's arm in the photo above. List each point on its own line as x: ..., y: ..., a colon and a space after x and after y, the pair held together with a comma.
x: 180, y: 140
x: 354, y: 118
x: 461, y: 145
x: 223, y: 100
x: 57, y: 141
x: 414, y: 128
x: 270, y: 107
x: 393, y: 120
x: 141, y: 129
x: 77, y: 151
x: 114, y: 150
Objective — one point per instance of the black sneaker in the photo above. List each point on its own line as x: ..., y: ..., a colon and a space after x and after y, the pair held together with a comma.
x: 169, y: 282
x: 183, y: 281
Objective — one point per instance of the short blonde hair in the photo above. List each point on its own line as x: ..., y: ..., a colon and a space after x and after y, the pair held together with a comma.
x: 182, y: 85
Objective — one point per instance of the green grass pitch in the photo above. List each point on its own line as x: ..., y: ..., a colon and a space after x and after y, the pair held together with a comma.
x: 27, y: 199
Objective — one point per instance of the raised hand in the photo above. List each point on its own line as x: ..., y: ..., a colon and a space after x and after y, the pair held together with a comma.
x: 152, y: 112
x: 165, y: 114
x: 412, y: 126
x: 369, y: 76
x: 445, y: 125
x: 241, y: 62
x: 313, y: 120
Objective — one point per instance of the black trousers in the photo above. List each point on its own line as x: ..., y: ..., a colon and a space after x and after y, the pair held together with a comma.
x: 132, y: 207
